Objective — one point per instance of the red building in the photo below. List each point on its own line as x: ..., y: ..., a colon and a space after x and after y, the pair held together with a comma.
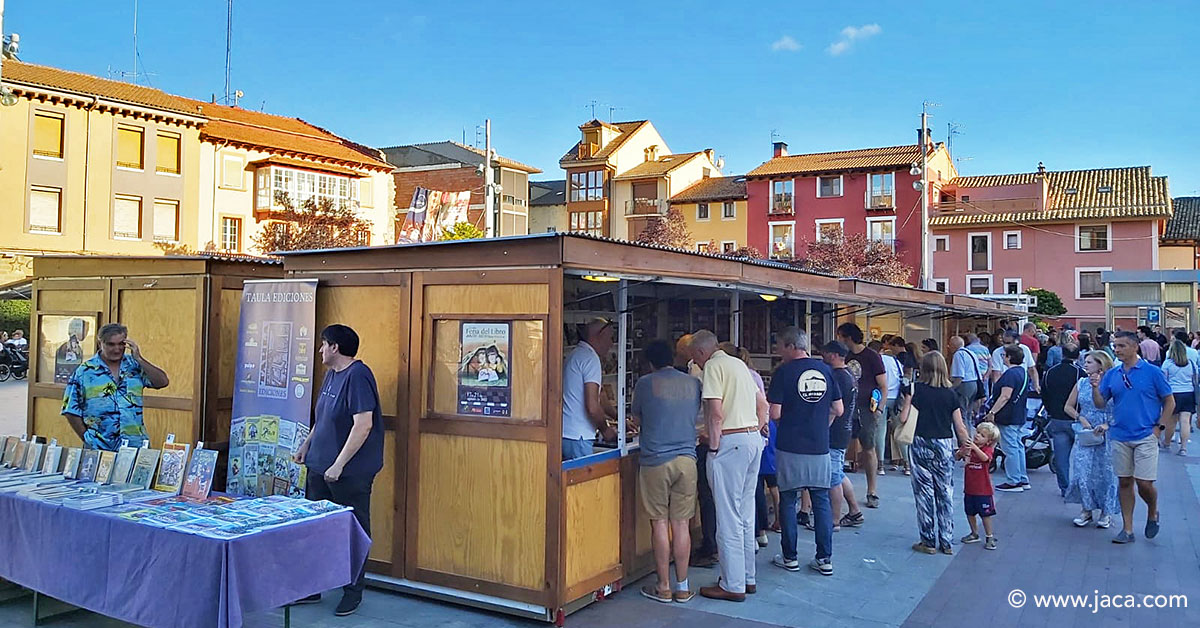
x: 797, y: 199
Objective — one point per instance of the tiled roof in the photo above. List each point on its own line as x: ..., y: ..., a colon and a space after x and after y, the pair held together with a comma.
x: 1098, y: 194
x: 627, y: 130
x: 658, y: 167
x: 862, y: 159
x: 232, y: 124
x: 713, y: 189
x: 445, y: 152
x: 1185, y: 222
x: 994, y: 180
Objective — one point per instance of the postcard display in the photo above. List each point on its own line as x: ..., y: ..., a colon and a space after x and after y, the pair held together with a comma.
x: 277, y: 338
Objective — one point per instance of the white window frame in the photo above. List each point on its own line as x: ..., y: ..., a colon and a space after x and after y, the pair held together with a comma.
x: 112, y: 227
x: 1019, y: 240
x: 62, y: 136
x: 706, y: 218
x: 771, y: 236
x: 941, y: 238
x: 221, y: 236
x: 241, y: 183
x: 28, y: 208
x: 732, y: 204
x: 971, y: 252
x: 791, y: 193
x: 1108, y: 241
x: 1087, y: 269
x: 818, y: 223
x: 841, y: 186
x: 869, y: 195
x: 701, y: 246
x: 891, y: 219
x: 1018, y: 281
x: 990, y: 289
x: 724, y: 242
x: 945, y: 280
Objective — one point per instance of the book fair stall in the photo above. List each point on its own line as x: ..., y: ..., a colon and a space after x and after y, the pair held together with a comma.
x: 474, y: 503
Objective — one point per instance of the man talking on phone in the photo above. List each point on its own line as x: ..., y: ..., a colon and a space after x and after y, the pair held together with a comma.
x: 103, y: 398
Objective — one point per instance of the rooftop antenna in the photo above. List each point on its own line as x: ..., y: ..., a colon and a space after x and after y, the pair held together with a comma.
x: 593, y: 104
x: 135, y: 54
x: 774, y: 135
x: 478, y: 134
x: 228, y: 48
x: 612, y: 109
x: 952, y: 129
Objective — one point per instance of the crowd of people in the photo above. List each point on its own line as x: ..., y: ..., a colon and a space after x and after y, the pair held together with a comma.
x: 775, y: 457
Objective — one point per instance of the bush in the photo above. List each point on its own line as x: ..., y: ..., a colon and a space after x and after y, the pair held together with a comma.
x: 14, y: 315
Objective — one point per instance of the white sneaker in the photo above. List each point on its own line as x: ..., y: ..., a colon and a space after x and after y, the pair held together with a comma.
x: 1083, y: 519
x: 1104, y: 522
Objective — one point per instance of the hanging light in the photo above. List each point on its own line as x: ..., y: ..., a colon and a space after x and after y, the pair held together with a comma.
x: 768, y: 297
x: 601, y: 278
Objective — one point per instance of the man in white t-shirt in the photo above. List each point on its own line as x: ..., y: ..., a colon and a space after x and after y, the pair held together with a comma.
x: 1011, y: 337
x: 583, y: 412
x: 18, y: 340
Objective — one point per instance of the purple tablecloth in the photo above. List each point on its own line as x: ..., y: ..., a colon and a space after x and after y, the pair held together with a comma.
x: 155, y: 577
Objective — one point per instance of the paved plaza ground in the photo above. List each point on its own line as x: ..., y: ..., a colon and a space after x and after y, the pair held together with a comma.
x: 13, y: 399
x: 878, y: 580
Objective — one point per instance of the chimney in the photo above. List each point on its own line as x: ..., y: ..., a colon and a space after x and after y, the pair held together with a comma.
x: 708, y: 152
x: 780, y: 149
x: 924, y: 137
x: 1041, y: 169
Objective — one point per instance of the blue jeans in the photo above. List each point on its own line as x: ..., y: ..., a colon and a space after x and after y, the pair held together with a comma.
x: 822, y: 521
x: 1062, y: 432
x: 576, y: 448
x: 1014, y: 454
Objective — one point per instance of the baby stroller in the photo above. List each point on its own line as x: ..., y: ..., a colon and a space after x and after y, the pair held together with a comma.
x: 13, y: 363
x: 1039, y: 446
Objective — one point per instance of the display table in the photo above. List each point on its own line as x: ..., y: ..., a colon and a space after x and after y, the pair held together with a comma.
x: 157, y: 577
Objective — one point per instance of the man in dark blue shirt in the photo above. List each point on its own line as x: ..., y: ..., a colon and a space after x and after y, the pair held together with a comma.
x: 344, y: 450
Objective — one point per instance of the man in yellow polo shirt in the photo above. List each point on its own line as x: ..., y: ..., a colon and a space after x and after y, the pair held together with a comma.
x: 735, y: 411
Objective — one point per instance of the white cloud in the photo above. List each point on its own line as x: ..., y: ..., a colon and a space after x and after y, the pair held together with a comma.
x: 851, y: 34
x: 785, y: 44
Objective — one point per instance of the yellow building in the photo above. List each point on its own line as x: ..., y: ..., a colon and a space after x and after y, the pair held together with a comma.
x: 715, y: 211
x: 91, y: 165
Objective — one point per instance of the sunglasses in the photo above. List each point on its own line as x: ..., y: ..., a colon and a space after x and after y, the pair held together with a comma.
x: 1125, y: 378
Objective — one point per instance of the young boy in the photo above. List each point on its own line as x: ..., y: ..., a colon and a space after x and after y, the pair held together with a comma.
x: 978, y: 498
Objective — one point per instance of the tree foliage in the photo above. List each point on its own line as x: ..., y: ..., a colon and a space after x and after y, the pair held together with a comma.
x: 462, y: 231
x: 858, y: 257
x: 669, y: 231
x: 14, y: 314
x: 312, y: 225
x: 1049, y: 303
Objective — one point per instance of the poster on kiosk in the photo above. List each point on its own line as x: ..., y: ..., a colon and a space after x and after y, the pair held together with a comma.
x: 272, y: 400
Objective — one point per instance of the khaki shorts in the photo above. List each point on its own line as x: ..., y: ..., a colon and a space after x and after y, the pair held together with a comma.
x: 669, y: 489
x: 1137, y: 459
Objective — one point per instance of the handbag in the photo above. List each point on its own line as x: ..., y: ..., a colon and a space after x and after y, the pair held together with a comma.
x: 1087, y: 438
x: 908, y: 429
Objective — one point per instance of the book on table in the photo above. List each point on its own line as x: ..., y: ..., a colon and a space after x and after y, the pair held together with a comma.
x: 172, y: 466
x: 123, y: 465
x: 17, y: 459
x: 198, y: 481
x: 52, y: 461
x: 70, y: 469
x: 4, y: 449
x: 105, y: 466
x: 144, y: 466
x: 33, y: 457
x: 87, y: 465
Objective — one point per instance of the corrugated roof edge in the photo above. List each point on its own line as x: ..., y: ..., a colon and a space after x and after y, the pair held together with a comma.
x: 216, y: 257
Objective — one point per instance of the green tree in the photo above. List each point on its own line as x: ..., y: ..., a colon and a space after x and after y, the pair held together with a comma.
x: 1049, y: 304
x: 462, y: 231
x: 14, y: 314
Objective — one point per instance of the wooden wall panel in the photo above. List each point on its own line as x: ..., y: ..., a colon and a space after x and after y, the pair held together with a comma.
x: 49, y: 422
x: 163, y: 322
x: 160, y: 422
x: 50, y: 299
x: 593, y: 528
x: 383, y: 503
x: 373, y: 312
x: 231, y: 309
x: 481, y: 509
x: 487, y: 299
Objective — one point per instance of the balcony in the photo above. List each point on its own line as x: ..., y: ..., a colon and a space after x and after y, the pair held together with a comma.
x: 879, y: 200
x: 781, y: 205
x: 646, y: 207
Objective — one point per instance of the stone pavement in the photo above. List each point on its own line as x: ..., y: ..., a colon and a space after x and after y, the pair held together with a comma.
x: 878, y: 580
x: 13, y: 407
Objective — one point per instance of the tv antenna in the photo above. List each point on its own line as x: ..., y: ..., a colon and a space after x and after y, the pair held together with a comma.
x: 229, y: 51
x: 592, y: 104
x: 613, y: 109
x: 952, y: 129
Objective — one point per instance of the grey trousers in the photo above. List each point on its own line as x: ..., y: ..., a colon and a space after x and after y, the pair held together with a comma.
x: 732, y: 473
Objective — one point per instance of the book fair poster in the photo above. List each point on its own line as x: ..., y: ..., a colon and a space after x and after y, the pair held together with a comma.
x: 272, y: 400
x: 484, y: 380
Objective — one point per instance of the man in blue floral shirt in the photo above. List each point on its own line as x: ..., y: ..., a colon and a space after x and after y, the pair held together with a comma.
x: 103, y: 399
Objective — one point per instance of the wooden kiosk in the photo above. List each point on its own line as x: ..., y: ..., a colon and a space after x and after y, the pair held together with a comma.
x: 481, y: 509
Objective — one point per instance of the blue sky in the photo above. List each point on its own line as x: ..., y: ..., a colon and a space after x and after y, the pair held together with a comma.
x: 1076, y: 85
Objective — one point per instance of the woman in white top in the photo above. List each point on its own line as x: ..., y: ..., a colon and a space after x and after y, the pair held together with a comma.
x: 1181, y: 376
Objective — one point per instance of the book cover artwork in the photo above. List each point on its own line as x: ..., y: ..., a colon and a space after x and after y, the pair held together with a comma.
x: 171, y: 467
x: 199, y: 478
x: 484, y: 385
x: 275, y: 359
x: 53, y: 458
x: 87, y: 465
x: 34, y: 456
x: 105, y: 466
x: 123, y: 466
x: 144, y: 465
x: 71, y: 463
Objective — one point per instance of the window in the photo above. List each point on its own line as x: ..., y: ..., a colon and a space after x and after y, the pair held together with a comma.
x: 127, y: 217
x: 587, y: 186
x: 233, y: 170
x: 591, y: 223
x: 166, y: 220
x: 729, y: 247
x: 701, y: 211
x: 231, y: 234
x: 1012, y: 240
x: 941, y: 285
x: 1072, y: 190
x: 1088, y: 284
x: 881, y: 193
x: 707, y: 173
x: 829, y: 230
x: 781, y: 197
x: 363, y: 238
x: 303, y: 185
x: 1012, y: 286
x: 45, y: 210
x: 168, y: 154
x: 728, y: 210
x: 47, y: 135
x: 883, y: 230
x: 966, y: 198
x: 703, y: 247
x: 782, y: 240
x: 981, y: 251
x: 366, y: 192
x: 829, y: 186
x: 1104, y: 189
x: 979, y: 284
x: 941, y: 244
x: 1091, y: 238
x: 129, y: 148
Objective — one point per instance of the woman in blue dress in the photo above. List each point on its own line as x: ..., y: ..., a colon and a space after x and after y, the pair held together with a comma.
x: 1092, y: 484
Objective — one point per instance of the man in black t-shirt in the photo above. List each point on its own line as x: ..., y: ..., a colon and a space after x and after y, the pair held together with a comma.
x: 840, y: 487
x: 344, y: 450
x: 866, y: 364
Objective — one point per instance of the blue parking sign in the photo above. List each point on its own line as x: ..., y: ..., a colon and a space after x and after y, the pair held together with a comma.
x: 1153, y: 315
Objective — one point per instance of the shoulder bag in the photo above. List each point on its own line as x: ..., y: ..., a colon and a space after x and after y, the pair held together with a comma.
x: 908, y: 429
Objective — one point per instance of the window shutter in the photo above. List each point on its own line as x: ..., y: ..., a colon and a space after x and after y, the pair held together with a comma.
x: 44, y: 210
x: 166, y: 220
x: 168, y: 154
x: 127, y: 218
x: 366, y: 192
x: 47, y: 135
x: 231, y: 172
x: 129, y: 148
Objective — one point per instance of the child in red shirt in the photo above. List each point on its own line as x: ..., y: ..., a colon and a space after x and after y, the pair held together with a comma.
x: 978, y: 498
